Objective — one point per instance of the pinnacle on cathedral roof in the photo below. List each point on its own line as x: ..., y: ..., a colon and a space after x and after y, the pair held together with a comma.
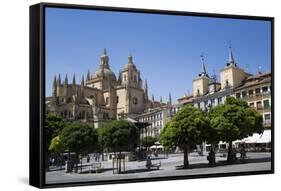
x: 88, y: 75
x: 66, y: 80
x: 170, y: 98
x: 130, y: 62
x: 73, y: 80
x: 82, y: 80
x: 59, y: 80
x: 55, y: 81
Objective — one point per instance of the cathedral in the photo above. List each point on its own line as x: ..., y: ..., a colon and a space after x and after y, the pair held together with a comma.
x: 101, y: 97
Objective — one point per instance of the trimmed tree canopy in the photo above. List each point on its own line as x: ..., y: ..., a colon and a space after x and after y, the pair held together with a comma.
x: 79, y: 137
x: 187, y: 128
x: 235, y: 120
x: 119, y: 134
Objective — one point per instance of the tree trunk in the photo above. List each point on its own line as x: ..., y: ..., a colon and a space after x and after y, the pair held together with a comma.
x: 214, y: 153
x: 76, y: 162
x: 185, y: 158
x: 230, y: 152
x: 81, y: 164
x: 119, y: 161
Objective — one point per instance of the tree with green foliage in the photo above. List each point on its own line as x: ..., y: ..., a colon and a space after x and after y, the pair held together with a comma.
x: 234, y: 120
x: 120, y: 135
x: 53, y: 125
x: 80, y: 138
x: 185, y: 130
x: 56, y: 148
x: 148, y: 141
x: 56, y: 145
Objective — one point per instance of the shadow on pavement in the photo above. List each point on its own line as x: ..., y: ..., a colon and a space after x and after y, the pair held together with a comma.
x: 225, y: 163
x: 139, y: 170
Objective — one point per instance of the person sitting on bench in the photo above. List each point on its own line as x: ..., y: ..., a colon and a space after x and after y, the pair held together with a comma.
x: 149, y: 164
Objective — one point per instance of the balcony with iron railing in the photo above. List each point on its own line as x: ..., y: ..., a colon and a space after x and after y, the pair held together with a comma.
x: 261, y: 108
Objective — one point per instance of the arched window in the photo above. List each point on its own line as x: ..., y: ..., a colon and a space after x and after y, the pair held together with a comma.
x: 107, y: 100
x: 135, y: 101
x: 226, y: 83
x: 68, y: 100
x: 125, y: 77
x: 117, y: 99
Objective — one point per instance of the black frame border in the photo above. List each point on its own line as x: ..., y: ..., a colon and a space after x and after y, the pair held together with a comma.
x: 37, y: 93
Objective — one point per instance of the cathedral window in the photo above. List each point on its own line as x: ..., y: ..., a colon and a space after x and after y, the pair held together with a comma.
x: 117, y: 99
x: 68, y: 100
x: 107, y: 100
x: 135, y: 101
x: 125, y: 77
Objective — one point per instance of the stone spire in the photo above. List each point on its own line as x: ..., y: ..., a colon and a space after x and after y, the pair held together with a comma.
x: 88, y: 75
x: 66, y: 80
x: 203, y: 68
x: 130, y: 59
x: 152, y: 97
x: 59, y: 80
x: 55, y: 87
x: 170, y: 99
x: 82, y: 81
x: 161, y: 99
x: 130, y: 62
x: 145, y: 88
x: 82, y: 86
x: 231, y: 61
x: 104, y: 60
x: 73, y: 80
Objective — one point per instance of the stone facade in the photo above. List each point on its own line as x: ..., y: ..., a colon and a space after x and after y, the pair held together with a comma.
x: 101, y: 97
x: 235, y: 82
x: 231, y: 76
x: 256, y: 91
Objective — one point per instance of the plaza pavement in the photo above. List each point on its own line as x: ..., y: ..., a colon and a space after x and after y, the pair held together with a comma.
x: 169, y: 167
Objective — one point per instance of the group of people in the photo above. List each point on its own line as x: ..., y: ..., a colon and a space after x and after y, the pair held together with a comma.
x: 94, y: 156
x: 212, y: 156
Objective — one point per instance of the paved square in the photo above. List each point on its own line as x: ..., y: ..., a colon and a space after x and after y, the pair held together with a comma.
x: 136, y: 169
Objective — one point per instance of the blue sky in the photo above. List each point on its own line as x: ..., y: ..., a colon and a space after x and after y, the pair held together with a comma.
x: 166, y: 49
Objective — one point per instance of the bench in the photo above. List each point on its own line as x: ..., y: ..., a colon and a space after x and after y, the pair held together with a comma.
x: 97, y: 167
x: 156, y: 166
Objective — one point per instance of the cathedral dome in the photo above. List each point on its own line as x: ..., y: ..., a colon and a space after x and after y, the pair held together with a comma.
x: 104, y: 69
x: 105, y: 72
